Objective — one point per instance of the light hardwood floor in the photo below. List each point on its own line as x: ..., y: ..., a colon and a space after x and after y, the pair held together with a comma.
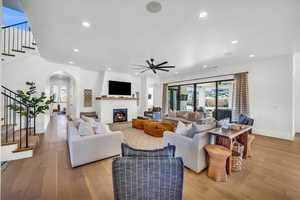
x: 273, y: 173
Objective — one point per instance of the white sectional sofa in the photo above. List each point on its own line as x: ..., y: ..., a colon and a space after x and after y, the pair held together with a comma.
x: 86, y: 149
x: 190, y: 149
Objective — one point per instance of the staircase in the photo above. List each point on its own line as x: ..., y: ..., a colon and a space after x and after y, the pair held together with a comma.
x: 17, y: 39
x: 18, y: 132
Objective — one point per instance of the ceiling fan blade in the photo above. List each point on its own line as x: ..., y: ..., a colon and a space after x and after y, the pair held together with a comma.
x: 149, y: 63
x: 165, y: 67
x: 165, y: 70
x: 163, y: 63
x: 154, y: 71
x: 139, y: 65
x: 144, y: 71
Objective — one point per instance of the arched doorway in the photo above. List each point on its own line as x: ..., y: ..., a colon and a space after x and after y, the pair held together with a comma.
x: 62, y: 85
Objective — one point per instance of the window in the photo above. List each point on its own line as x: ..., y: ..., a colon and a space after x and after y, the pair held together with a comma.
x: 214, y: 98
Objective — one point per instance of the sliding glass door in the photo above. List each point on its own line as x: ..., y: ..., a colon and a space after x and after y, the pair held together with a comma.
x: 214, y: 98
x: 187, y: 97
x: 225, y: 99
x: 206, y: 98
x: 173, y: 98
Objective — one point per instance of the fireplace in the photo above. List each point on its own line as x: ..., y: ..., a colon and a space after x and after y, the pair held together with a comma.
x: 120, y: 115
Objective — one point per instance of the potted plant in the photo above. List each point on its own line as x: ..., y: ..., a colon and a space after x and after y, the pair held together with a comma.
x: 36, y: 104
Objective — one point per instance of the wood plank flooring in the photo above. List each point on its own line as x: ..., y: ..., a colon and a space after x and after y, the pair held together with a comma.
x: 273, y: 173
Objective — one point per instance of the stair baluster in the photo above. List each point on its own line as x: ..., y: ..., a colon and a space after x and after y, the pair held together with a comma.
x: 10, y: 102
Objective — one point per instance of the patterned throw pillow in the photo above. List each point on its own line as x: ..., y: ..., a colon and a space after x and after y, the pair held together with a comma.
x: 168, y: 151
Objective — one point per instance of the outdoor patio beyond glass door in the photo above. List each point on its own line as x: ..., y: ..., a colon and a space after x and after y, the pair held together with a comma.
x: 187, y: 97
x: 206, y: 98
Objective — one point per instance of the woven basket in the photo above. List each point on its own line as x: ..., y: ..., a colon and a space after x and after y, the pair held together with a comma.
x: 237, y: 156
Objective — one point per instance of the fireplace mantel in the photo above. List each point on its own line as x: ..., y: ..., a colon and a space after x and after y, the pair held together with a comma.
x: 116, y: 98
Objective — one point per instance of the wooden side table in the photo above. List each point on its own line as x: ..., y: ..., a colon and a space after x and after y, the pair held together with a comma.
x: 225, y: 138
x: 217, y: 162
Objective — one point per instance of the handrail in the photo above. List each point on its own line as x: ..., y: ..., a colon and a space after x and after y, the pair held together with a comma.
x: 4, y: 27
x: 20, y: 102
x: 5, y: 88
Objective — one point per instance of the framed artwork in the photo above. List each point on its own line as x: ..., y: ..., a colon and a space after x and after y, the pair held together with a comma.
x: 88, y: 98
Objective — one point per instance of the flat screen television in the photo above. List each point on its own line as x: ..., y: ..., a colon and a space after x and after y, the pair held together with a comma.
x: 119, y: 88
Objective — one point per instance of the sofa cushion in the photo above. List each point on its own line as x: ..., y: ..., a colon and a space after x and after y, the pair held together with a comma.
x: 100, y: 128
x: 207, y: 120
x: 85, y: 129
x: 196, y: 128
x: 168, y: 151
x: 177, y: 119
x: 172, y: 114
x: 182, y: 114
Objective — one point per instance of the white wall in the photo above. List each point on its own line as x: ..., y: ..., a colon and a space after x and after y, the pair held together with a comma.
x: 37, y: 69
x: 90, y: 80
x: 270, y: 93
x: 123, y: 77
x: 296, y: 63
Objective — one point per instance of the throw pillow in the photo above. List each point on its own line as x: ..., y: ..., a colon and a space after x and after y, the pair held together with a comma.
x: 85, y: 129
x: 77, y: 123
x: 224, y: 123
x: 196, y: 128
x: 182, y: 129
x: 90, y: 120
x: 168, y: 151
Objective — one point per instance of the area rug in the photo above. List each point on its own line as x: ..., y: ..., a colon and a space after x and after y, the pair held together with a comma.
x: 137, y: 138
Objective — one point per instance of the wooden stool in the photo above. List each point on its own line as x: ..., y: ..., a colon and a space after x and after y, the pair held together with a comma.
x: 251, y: 138
x: 217, y: 162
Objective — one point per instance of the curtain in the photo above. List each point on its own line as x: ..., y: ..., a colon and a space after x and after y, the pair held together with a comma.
x: 165, y: 99
x: 241, y: 104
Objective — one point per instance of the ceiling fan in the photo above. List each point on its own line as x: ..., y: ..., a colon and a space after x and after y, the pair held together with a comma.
x: 153, y: 67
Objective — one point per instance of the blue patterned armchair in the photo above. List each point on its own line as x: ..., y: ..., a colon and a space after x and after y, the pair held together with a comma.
x: 147, y: 178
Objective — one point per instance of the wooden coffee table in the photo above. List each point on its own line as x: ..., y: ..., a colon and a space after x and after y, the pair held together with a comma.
x: 226, y: 137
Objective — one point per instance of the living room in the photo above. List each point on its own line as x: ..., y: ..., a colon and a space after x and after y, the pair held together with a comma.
x: 158, y: 77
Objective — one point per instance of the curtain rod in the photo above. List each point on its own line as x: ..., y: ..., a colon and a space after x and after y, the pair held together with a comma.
x: 205, y: 78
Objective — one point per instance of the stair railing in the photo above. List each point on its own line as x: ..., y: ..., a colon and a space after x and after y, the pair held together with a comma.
x: 16, y: 38
x: 13, y: 118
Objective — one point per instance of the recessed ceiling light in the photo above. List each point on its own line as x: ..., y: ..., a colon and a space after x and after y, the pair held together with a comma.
x: 251, y: 56
x: 86, y: 24
x: 205, y: 66
x: 203, y: 14
x: 234, y: 41
x: 71, y: 62
x: 76, y: 50
x: 176, y: 72
x: 153, y: 7
x: 136, y: 73
x: 109, y: 69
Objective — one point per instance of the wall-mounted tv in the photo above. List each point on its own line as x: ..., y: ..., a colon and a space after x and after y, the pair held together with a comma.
x: 119, y: 88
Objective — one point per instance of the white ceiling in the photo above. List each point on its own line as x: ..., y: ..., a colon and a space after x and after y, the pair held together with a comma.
x: 122, y: 32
